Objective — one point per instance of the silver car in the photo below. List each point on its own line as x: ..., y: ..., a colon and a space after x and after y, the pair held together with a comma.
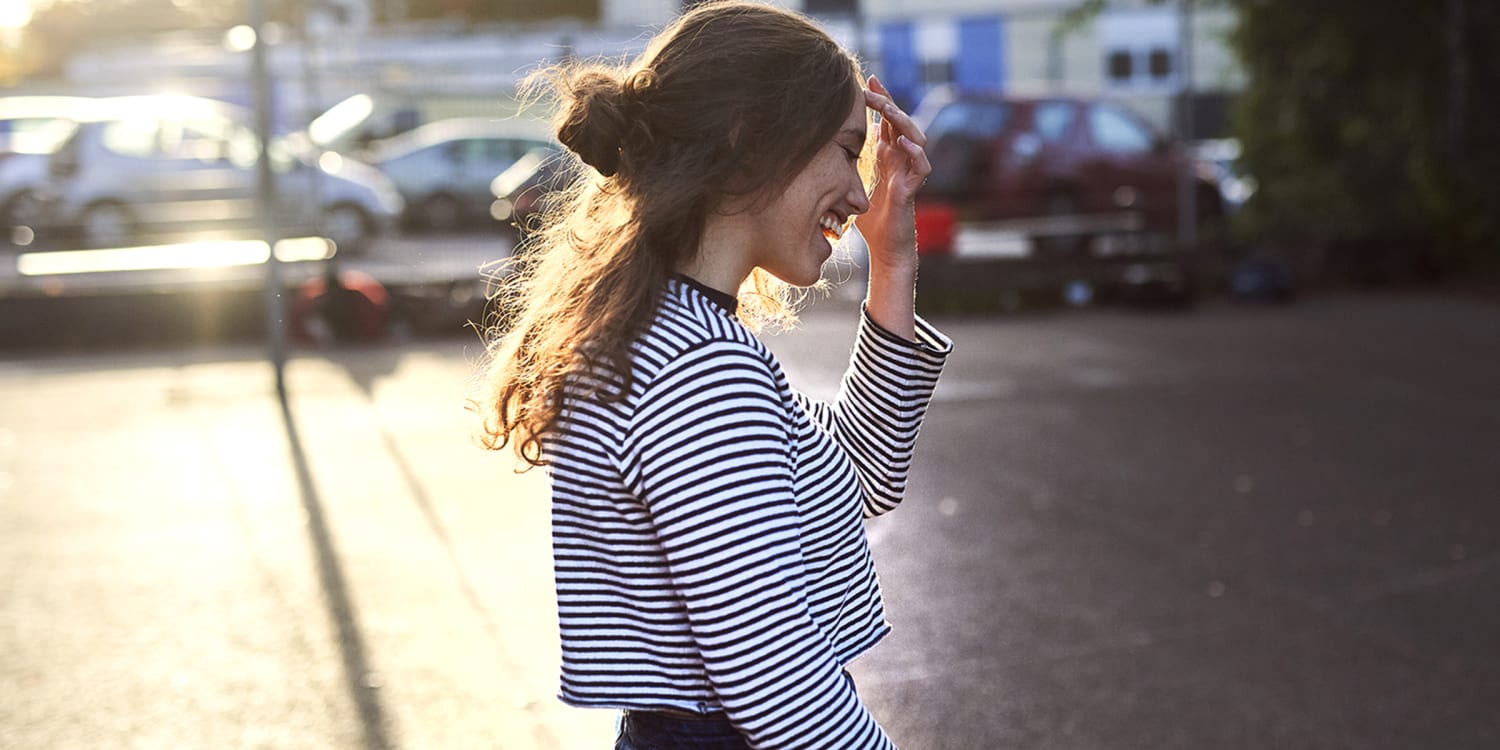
x: 161, y: 168
x: 443, y: 169
x: 31, y: 129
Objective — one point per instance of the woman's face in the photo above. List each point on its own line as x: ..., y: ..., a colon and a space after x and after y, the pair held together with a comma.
x: 798, y: 228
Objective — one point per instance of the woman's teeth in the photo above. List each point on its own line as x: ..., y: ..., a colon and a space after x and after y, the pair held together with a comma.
x: 832, y: 229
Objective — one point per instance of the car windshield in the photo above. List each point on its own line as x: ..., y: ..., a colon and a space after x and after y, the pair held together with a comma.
x: 978, y: 120
x: 37, y: 136
x: 521, y: 173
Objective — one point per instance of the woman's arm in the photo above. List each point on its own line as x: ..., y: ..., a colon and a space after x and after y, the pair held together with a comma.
x: 711, y: 453
x: 889, y: 227
x: 880, y: 406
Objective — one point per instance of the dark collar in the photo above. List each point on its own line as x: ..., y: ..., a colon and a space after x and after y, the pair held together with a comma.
x: 726, y: 301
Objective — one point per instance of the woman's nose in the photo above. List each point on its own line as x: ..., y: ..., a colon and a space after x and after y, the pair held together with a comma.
x: 858, y: 200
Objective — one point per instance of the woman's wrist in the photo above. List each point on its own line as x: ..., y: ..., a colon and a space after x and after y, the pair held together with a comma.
x: 890, y: 299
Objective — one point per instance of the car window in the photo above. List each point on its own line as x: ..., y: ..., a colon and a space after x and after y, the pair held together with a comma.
x: 134, y: 137
x: 980, y: 120
x: 1054, y: 120
x: 1114, y: 131
x: 205, y: 140
x: 496, y: 149
x: 242, y: 145
x: 40, y: 135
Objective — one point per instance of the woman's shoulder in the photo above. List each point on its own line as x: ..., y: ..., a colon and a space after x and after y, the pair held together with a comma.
x: 685, y: 322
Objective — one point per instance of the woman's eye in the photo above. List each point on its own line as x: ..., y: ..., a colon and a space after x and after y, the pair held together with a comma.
x: 851, y: 153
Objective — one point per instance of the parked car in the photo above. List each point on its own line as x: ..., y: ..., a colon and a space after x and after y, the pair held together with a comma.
x: 30, y: 123
x: 31, y: 128
x: 1001, y: 157
x: 1062, y: 179
x: 521, y: 192
x: 444, y: 169
x: 157, y: 168
x: 1219, y: 159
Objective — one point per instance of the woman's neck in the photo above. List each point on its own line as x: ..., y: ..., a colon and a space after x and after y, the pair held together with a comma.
x: 723, y: 258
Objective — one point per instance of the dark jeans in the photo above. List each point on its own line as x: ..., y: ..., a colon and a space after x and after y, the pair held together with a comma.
x: 651, y: 730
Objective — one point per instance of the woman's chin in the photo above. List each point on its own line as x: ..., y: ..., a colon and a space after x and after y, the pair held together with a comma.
x: 799, y: 277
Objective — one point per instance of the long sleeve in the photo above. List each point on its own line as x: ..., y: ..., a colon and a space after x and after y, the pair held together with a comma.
x: 710, y: 452
x: 880, y: 405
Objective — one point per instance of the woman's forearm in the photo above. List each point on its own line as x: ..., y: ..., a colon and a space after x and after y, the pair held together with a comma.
x: 890, y: 299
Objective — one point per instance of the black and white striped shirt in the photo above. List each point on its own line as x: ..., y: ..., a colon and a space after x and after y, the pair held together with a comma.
x: 707, y: 529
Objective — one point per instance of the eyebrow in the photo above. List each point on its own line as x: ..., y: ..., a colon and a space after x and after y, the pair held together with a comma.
x: 857, y: 133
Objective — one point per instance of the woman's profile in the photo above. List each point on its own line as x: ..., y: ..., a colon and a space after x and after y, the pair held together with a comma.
x: 712, y: 572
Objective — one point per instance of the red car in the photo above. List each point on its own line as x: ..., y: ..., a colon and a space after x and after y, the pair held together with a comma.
x: 1054, y: 178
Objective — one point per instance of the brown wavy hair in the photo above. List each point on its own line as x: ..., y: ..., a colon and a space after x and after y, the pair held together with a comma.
x: 729, y: 101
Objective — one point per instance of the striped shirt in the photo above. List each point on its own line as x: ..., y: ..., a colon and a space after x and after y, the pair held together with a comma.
x: 708, y: 542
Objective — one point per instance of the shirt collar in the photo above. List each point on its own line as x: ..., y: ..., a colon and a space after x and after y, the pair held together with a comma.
x: 726, y: 301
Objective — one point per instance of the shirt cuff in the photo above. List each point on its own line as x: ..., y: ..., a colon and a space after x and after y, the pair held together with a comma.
x: 930, y: 340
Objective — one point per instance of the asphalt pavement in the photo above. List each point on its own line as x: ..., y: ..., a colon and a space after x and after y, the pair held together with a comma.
x: 1232, y: 527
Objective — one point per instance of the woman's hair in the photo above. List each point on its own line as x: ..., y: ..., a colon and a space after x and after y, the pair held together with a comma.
x: 728, y: 102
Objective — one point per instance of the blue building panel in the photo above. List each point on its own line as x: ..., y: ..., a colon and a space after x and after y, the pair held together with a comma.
x: 981, y: 54
x: 900, y: 70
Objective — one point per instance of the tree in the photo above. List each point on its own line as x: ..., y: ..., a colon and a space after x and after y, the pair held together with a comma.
x: 1369, y: 124
x: 1349, y: 124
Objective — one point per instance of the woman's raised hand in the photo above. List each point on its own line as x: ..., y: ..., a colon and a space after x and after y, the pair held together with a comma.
x: 890, y: 226
x: 901, y: 166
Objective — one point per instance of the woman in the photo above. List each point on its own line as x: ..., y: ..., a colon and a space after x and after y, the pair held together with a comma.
x: 713, y: 577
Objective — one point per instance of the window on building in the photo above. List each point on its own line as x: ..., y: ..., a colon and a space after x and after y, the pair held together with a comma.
x: 1120, y: 66
x: 1159, y: 63
x: 937, y: 72
x: 1138, y: 46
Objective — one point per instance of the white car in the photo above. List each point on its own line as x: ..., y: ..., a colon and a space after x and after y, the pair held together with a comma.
x: 443, y: 169
x: 161, y: 168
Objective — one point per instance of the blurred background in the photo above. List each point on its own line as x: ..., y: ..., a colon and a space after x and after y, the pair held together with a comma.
x: 1211, y: 466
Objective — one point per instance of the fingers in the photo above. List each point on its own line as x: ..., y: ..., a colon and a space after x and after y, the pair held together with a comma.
x: 884, y: 132
x: 891, y: 116
x: 887, y: 133
x: 920, y: 166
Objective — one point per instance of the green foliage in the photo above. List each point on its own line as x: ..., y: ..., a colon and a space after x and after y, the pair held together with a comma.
x: 1349, y: 123
x: 1367, y: 122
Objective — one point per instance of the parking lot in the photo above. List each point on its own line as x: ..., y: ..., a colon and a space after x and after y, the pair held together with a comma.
x: 1235, y: 527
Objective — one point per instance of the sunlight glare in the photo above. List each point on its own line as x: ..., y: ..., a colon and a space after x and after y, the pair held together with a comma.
x: 14, y: 14
x: 161, y: 257
x: 240, y: 38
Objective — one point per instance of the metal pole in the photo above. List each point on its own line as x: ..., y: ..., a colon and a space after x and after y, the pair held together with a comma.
x: 266, y: 197
x: 313, y: 94
x: 1187, y: 194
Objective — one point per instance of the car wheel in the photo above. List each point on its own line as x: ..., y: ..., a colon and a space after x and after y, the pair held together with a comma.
x: 440, y: 213
x: 24, y: 209
x: 349, y: 227
x: 106, y: 225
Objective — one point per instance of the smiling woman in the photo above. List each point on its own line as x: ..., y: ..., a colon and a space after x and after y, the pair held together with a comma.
x: 713, y: 576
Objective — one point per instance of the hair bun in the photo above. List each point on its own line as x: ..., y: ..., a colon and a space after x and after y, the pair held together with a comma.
x: 593, y: 122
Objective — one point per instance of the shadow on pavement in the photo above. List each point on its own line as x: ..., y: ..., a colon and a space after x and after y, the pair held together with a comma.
x: 336, y: 593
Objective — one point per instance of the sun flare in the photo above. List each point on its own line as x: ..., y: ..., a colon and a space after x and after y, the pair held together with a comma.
x: 14, y: 14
